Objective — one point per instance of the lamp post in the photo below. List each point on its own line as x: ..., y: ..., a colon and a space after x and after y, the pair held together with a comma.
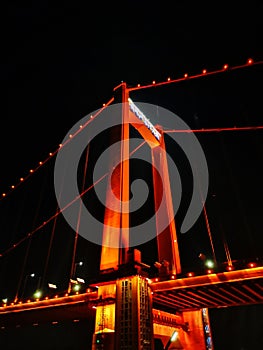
x: 38, y: 282
x: 207, y: 263
x: 80, y: 263
x: 38, y: 292
x: 72, y: 278
x: 32, y: 275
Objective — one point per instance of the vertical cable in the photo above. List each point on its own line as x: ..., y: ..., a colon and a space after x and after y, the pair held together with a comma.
x: 209, y: 230
x: 198, y: 124
x: 22, y: 270
x: 240, y: 207
x: 27, y: 251
x: 51, y: 241
x: 72, y: 270
x: 229, y: 260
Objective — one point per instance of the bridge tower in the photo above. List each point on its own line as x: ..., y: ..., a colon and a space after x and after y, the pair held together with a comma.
x: 125, y: 298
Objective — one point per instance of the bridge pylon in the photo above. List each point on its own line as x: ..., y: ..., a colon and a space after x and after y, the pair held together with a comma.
x: 130, y: 322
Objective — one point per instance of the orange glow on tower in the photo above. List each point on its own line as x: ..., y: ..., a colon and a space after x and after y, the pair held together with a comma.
x: 118, y: 186
x: 167, y: 240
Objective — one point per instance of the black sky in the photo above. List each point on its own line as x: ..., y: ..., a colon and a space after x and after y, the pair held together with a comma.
x: 61, y: 62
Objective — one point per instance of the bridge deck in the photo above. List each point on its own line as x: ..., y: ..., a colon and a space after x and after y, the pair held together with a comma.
x: 232, y: 288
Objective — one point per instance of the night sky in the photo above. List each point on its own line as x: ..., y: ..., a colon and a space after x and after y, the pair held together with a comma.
x: 61, y: 62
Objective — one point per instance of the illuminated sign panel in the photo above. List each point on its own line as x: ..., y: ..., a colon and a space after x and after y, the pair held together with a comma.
x: 144, y: 119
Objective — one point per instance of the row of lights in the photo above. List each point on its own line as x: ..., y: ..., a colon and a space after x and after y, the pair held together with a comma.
x: 76, y: 287
x: 210, y: 265
x: 204, y: 71
x: 31, y: 171
x: 37, y: 324
x: 76, y: 283
x: 38, y: 294
x: 51, y: 154
x: 22, y: 179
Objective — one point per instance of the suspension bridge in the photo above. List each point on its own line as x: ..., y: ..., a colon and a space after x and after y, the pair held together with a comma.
x: 125, y: 301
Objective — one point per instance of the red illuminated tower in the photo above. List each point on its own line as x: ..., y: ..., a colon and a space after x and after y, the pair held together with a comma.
x: 125, y: 317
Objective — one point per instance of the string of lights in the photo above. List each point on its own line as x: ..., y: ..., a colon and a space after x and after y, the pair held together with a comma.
x: 226, y: 67
x: 52, y: 154
x: 203, y: 130
x: 169, y: 80
x: 186, y: 76
x: 205, y: 72
x: 58, y: 212
x: 30, y: 234
x: 89, y: 188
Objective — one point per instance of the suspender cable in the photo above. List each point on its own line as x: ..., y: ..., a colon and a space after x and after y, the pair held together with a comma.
x: 50, y: 244
x: 206, y: 219
x: 209, y: 231
x: 21, y: 276
x: 49, y: 250
x: 72, y: 270
x: 237, y: 194
x: 22, y: 272
x: 229, y: 260
x: 28, y: 235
